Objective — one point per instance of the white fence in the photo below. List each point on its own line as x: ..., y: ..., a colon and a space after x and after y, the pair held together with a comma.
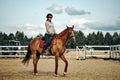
x: 19, y: 51
x: 13, y: 51
x: 82, y: 52
x: 109, y: 52
x: 115, y: 52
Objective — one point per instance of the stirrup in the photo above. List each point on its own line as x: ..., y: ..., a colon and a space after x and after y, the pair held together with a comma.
x: 43, y: 51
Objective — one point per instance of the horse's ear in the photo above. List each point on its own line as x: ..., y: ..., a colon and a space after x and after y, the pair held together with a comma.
x: 73, y: 26
x: 66, y: 26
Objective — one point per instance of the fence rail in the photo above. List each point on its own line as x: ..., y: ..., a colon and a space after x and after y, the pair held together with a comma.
x: 13, y: 51
x: 19, y: 52
x: 113, y: 52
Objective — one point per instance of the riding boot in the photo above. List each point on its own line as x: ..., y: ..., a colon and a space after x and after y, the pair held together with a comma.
x: 47, y: 42
x: 44, y: 48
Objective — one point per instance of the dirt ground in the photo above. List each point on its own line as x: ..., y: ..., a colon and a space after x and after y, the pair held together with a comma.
x: 89, y: 69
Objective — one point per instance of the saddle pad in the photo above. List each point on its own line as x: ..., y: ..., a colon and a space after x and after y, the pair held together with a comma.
x: 42, y: 42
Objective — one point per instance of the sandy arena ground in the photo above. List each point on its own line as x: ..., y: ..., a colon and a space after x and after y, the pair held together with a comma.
x: 90, y: 69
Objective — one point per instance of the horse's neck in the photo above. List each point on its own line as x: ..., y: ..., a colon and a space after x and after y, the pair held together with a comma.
x: 64, y: 39
x: 64, y: 36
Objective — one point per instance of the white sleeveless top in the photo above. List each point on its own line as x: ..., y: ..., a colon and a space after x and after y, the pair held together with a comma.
x: 50, y: 27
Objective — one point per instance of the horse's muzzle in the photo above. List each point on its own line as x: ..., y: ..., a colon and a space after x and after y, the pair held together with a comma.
x: 74, y: 39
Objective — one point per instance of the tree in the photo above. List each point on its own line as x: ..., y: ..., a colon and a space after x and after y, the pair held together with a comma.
x: 115, y: 38
x: 108, y: 39
x: 118, y: 40
x: 20, y: 36
x: 91, y: 39
x: 1, y: 38
x: 100, y: 38
x: 80, y: 38
x: 11, y: 36
x: 4, y: 38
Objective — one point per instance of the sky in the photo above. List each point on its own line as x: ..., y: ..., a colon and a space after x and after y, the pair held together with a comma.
x: 88, y: 16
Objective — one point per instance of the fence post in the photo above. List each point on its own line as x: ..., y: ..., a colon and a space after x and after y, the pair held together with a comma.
x: 84, y: 53
x: 116, y: 53
x: 110, y: 53
x: 119, y: 53
x: 77, y: 53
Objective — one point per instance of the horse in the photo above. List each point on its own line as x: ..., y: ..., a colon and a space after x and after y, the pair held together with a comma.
x: 58, y: 49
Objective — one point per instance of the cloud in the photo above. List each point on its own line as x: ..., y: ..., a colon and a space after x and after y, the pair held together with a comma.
x: 30, y: 29
x: 29, y: 26
x: 78, y: 23
x: 105, y: 25
x: 27, y: 31
x: 26, y: 26
x: 57, y: 9
x: 32, y: 33
x: 74, y: 11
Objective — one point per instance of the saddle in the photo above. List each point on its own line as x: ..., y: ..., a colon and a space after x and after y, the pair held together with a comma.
x: 42, y: 43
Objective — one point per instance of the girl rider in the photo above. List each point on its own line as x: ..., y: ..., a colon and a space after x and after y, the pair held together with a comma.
x: 50, y: 31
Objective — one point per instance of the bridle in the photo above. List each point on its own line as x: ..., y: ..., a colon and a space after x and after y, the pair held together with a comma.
x: 71, y: 37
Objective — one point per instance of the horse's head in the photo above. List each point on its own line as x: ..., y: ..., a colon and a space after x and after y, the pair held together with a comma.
x: 71, y: 33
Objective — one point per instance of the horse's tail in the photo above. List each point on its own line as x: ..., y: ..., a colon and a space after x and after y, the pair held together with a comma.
x: 28, y: 55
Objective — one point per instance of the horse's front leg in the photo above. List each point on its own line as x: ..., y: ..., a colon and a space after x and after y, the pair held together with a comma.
x: 66, y: 64
x: 56, y: 65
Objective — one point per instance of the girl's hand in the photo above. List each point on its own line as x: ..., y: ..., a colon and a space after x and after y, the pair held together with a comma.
x: 51, y: 34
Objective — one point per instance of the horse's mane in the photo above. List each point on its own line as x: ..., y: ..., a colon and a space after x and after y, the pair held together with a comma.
x: 62, y: 33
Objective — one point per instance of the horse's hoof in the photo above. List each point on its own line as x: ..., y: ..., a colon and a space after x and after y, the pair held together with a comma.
x: 56, y: 75
x: 64, y: 73
x: 36, y: 74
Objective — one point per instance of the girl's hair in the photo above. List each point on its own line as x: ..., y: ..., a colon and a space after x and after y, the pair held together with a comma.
x: 49, y: 15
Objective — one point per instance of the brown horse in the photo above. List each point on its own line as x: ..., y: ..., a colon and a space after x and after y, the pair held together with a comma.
x: 58, y: 49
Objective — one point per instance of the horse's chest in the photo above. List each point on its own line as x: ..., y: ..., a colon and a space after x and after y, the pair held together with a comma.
x: 58, y: 47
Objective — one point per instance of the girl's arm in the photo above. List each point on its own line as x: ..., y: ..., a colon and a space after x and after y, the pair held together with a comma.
x: 54, y: 30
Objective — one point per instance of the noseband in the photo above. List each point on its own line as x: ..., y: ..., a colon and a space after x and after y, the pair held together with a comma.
x: 69, y: 33
x: 71, y: 37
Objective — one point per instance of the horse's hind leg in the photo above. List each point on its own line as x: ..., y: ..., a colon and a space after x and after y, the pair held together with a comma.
x: 35, y: 61
x: 66, y: 64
